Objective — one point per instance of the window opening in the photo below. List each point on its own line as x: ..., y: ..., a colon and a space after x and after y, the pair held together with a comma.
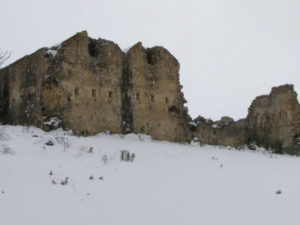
x: 152, y: 98
x: 76, y: 91
x: 94, y: 92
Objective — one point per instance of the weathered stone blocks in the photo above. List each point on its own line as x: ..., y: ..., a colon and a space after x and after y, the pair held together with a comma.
x: 91, y: 86
x: 274, y: 120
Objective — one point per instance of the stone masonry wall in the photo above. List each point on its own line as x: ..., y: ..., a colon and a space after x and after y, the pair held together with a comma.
x: 23, y: 87
x: 223, y: 132
x: 274, y: 120
x: 77, y: 82
x: 91, y: 86
x: 83, y: 85
x: 157, y: 101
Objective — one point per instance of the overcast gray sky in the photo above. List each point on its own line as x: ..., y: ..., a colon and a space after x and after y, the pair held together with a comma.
x: 230, y: 51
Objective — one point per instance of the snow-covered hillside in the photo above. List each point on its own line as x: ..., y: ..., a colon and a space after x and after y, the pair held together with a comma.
x: 81, y: 180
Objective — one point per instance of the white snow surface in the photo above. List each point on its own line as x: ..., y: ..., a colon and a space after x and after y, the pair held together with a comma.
x: 167, y: 183
x: 214, y: 126
x: 52, y: 53
x: 53, y: 121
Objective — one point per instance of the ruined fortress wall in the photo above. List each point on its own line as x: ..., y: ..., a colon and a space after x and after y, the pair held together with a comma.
x: 228, y: 133
x: 92, y: 86
x: 157, y: 101
x: 23, y: 82
x: 77, y: 82
x: 274, y: 120
x: 83, y: 85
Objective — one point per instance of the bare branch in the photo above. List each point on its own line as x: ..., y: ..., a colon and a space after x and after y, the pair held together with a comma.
x: 4, y: 56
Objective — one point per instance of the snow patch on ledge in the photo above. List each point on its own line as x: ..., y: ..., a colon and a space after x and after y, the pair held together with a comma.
x: 51, y: 53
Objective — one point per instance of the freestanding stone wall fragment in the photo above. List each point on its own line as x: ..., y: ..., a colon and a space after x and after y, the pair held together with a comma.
x: 274, y: 120
x: 157, y: 101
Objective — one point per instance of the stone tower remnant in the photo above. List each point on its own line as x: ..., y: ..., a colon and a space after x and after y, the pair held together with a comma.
x: 274, y: 120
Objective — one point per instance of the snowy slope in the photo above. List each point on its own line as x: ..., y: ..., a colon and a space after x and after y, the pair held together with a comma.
x: 166, y: 183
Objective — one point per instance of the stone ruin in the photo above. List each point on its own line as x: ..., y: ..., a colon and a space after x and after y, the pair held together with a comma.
x: 91, y: 86
x: 273, y: 121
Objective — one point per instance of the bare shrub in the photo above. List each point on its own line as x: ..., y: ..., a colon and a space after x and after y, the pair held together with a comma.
x: 5, y: 149
x: 65, y: 142
x: 3, y: 135
x: 127, y: 156
x: 104, y: 159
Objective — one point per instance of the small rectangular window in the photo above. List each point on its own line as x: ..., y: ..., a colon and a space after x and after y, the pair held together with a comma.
x: 152, y: 98
x: 110, y: 94
x: 167, y: 100
x: 76, y: 91
x: 137, y: 96
x: 94, y: 92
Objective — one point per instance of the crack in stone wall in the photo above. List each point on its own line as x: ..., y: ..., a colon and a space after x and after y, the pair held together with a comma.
x: 126, y: 98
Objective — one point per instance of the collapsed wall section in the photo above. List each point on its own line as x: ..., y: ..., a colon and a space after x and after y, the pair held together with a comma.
x: 225, y: 132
